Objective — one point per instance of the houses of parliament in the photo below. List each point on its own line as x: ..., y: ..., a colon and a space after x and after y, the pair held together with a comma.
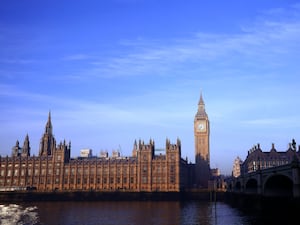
x: 54, y: 169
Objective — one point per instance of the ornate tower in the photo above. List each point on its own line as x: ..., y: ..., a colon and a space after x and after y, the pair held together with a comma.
x: 26, y: 147
x: 202, y: 154
x: 48, y: 143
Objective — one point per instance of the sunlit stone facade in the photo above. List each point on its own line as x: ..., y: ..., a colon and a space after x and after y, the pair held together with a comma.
x: 54, y: 169
x: 259, y: 160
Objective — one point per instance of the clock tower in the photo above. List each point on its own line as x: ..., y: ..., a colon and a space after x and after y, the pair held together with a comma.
x: 202, y: 154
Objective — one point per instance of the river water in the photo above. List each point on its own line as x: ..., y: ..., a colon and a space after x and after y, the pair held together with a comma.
x: 130, y: 213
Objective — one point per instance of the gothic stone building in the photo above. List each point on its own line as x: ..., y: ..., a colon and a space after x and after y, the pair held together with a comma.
x: 54, y: 169
x: 259, y: 160
x: 202, y: 151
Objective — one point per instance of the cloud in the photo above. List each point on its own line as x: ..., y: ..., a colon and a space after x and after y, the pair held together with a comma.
x: 262, y: 44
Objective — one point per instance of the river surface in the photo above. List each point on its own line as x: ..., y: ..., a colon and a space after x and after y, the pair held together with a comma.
x: 130, y: 213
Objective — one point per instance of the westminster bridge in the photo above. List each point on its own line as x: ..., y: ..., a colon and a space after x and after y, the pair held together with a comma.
x: 279, y: 181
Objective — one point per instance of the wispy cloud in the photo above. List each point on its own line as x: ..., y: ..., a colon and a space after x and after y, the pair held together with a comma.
x: 263, y: 43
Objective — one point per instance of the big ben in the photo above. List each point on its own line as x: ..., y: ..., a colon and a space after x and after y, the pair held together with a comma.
x: 202, y: 154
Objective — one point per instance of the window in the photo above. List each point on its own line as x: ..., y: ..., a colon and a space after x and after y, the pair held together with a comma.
x: 145, y: 169
x: 86, y: 171
x: 172, y: 179
x: 144, y: 180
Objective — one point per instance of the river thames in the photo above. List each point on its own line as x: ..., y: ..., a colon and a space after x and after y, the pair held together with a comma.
x: 130, y: 213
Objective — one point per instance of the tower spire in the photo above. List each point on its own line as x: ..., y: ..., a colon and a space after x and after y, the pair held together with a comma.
x: 48, y: 143
x: 48, y: 129
x: 201, y: 102
x: 201, y: 113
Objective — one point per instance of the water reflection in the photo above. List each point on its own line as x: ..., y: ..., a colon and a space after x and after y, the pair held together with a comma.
x: 125, y: 212
x: 146, y: 213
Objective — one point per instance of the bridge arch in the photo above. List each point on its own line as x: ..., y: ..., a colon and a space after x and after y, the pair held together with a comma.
x: 251, y: 186
x: 278, y: 185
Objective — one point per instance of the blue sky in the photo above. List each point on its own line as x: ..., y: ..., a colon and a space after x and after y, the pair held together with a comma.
x: 113, y: 71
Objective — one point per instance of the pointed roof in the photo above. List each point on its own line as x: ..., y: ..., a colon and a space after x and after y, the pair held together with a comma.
x: 49, y: 124
x: 201, y: 102
x: 201, y: 113
x: 49, y: 117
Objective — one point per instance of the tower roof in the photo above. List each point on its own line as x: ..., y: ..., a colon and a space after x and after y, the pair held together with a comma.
x: 201, y: 108
x: 49, y: 124
x: 201, y: 102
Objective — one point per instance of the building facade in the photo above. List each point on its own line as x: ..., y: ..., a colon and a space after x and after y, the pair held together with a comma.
x: 236, y: 168
x: 202, y: 151
x: 259, y: 160
x: 54, y: 169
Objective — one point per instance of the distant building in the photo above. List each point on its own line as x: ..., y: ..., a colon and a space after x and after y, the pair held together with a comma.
x: 116, y: 154
x: 236, y: 170
x: 259, y: 160
x: 103, y: 154
x: 86, y: 153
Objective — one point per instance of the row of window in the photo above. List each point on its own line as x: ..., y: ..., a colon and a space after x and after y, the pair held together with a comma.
x: 254, y: 165
x: 67, y: 171
x: 84, y: 180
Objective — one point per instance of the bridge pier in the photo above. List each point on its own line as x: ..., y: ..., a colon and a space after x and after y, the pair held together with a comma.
x: 296, y: 180
x: 259, y: 184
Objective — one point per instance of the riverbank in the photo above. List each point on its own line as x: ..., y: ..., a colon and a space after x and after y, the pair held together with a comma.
x: 33, y: 196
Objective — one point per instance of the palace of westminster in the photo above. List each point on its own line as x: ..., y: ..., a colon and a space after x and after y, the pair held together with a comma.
x: 54, y: 169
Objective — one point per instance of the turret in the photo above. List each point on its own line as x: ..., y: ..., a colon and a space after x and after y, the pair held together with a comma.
x: 26, y: 147
x: 48, y: 127
x: 16, y: 149
x: 48, y: 143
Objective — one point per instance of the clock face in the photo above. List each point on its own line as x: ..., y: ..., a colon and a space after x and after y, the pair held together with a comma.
x: 201, y: 126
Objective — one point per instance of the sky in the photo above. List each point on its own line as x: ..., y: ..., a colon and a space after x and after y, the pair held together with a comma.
x: 115, y: 71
